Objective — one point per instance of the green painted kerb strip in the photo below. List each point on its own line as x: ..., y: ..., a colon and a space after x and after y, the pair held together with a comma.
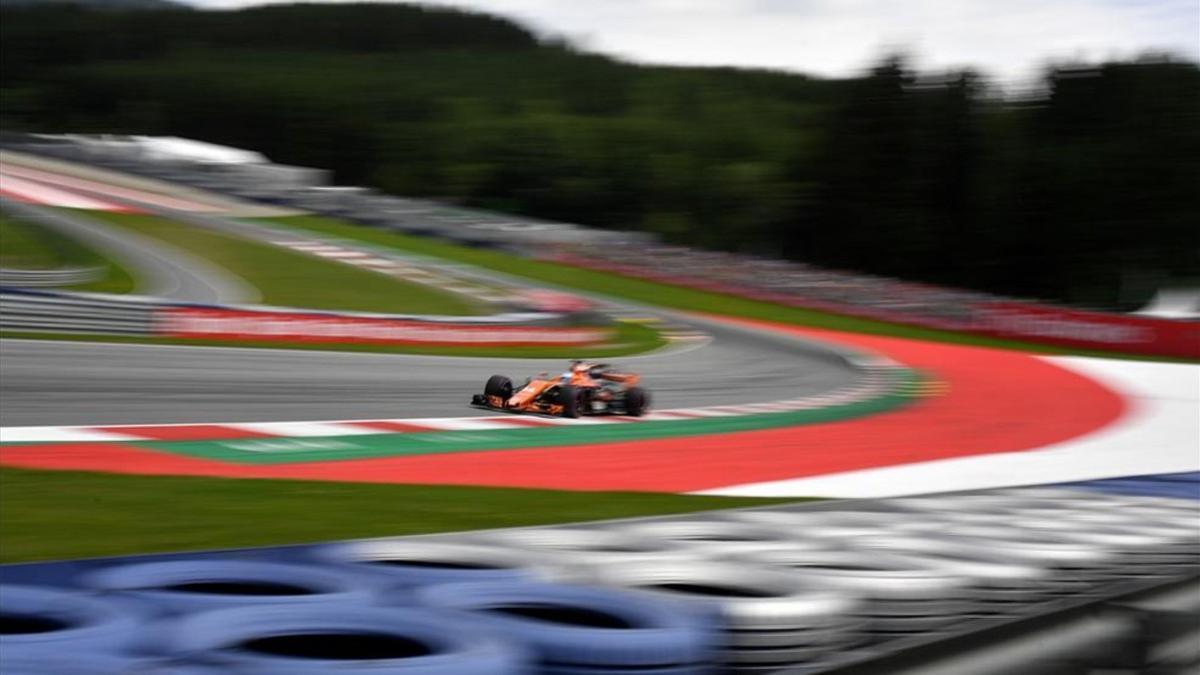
x: 290, y: 450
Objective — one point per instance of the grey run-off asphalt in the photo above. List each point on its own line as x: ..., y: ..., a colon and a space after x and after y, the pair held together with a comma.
x: 65, y: 383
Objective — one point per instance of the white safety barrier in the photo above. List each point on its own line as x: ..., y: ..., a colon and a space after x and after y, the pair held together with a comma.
x: 49, y: 278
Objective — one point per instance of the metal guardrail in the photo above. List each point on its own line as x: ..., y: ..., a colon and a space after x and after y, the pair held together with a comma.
x: 26, y: 309
x: 49, y: 278
x: 42, y: 311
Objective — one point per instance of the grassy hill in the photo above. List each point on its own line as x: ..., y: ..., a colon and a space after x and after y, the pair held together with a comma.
x: 1067, y: 194
x: 96, y: 4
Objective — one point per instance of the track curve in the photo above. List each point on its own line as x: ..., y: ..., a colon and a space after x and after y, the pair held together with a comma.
x: 161, y: 270
x: 47, y: 382
x: 65, y: 383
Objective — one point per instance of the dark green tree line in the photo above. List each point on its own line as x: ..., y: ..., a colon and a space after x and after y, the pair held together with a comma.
x: 1067, y: 194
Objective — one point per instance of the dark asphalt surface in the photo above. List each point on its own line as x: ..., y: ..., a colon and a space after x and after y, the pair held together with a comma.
x: 66, y: 383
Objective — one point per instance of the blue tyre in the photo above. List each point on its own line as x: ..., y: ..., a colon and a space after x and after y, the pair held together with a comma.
x: 284, y: 640
x: 412, y: 563
x: 180, y: 586
x: 571, y: 626
x: 653, y: 670
x: 40, y: 622
x: 97, y: 664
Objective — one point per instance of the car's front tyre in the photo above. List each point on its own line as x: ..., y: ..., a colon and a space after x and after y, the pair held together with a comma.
x: 500, y: 387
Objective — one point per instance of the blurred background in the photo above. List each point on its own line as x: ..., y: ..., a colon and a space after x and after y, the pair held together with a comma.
x: 783, y: 210
x: 1047, y: 152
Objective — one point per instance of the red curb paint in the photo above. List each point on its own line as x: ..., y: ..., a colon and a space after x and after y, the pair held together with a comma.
x: 108, y: 457
x: 998, y: 401
x: 186, y: 432
x: 16, y: 197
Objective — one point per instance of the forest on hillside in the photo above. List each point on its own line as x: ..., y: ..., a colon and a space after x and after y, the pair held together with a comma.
x: 1085, y: 191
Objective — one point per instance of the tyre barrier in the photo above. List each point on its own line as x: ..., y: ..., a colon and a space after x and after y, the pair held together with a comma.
x: 823, y: 525
x: 328, y: 640
x: 900, y: 597
x: 562, y: 552
x: 98, y: 664
x: 1000, y: 582
x: 733, y: 549
x: 999, y: 585
x: 1152, y: 545
x: 567, y: 544
x: 1175, y: 528
x: 95, y: 664
x: 771, y: 588
x: 770, y: 617
x: 1138, y: 552
x: 411, y: 563
x: 571, y: 628
x: 41, y: 623
x: 182, y: 586
x: 1180, y: 534
x: 1077, y: 566
x: 712, y: 533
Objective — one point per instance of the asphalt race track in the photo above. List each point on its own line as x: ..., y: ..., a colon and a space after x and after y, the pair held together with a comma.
x: 66, y: 383
x: 162, y: 270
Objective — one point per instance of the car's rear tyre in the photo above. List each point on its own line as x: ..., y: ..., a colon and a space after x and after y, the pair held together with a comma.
x: 499, y: 385
x: 569, y: 396
x: 583, y: 400
x: 636, y: 402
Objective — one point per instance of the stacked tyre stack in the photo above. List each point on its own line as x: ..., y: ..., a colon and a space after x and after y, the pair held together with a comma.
x: 895, y: 540
x: 907, y: 568
x: 1000, y: 584
x: 900, y: 597
x: 1075, y: 566
x: 972, y: 533
x: 1083, y: 538
x: 414, y: 562
x: 769, y: 619
x: 398, y: 606
x: 53, y: 632
x: 579, y: 630
x: 748, y: 591
x: 566, y: 548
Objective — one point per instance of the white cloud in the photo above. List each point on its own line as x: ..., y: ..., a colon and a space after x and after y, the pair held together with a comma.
x: 1010, y: 40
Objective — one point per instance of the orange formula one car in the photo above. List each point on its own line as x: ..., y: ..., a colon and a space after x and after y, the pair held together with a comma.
x: 585, y: 389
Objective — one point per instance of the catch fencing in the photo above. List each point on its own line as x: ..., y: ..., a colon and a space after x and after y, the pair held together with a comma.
x: 996, y: 318
x: 36, y: 311
x: 49, y: 278
x: 28, y: 310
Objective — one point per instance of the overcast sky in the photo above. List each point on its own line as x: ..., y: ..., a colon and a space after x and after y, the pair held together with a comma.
x: 1009, y: 39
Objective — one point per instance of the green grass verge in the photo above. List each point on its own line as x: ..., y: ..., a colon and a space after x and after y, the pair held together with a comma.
x: 26, y: 245
x: 664, y: 294
x: 628, y: 338
x: 65, y: 514
x: 291, y: 279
